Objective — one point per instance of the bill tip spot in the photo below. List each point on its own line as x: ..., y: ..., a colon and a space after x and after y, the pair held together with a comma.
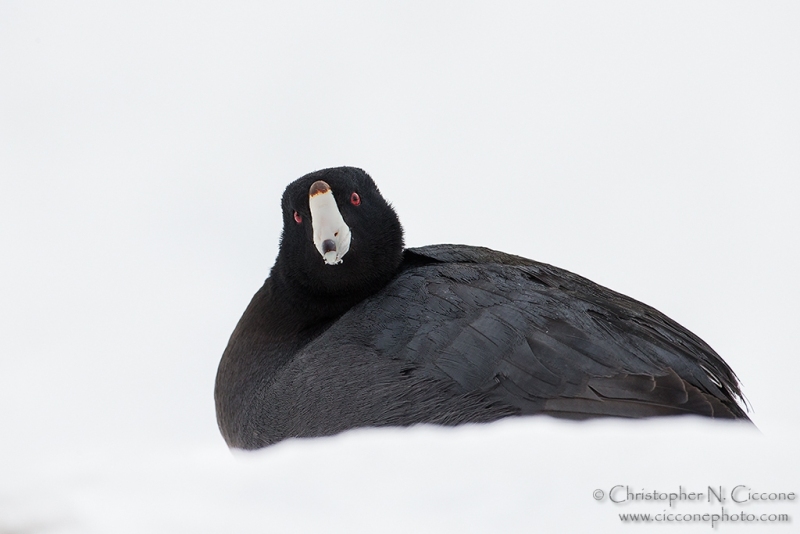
x: 329, y: 245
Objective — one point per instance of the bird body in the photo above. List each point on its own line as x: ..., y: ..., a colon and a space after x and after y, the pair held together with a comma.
x: 446, y: 334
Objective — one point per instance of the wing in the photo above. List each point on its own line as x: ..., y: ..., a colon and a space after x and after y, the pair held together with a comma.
x: 540, y: 339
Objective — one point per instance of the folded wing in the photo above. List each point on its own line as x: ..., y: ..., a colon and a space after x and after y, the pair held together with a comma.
x: 540, y: 339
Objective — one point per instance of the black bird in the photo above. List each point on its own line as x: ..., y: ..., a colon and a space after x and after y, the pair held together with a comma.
x: 351, y: 330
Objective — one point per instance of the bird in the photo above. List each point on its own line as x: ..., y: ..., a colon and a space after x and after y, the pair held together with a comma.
x: 351, y: 329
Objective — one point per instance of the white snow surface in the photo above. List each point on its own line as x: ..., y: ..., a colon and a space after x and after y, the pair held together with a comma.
x: 649, y: 146
x: 512, y: 476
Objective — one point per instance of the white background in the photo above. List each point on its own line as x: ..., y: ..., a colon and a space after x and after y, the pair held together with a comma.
x: 653, y: 147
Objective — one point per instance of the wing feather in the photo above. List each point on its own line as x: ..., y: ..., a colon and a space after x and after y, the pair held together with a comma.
x: 543, y: 340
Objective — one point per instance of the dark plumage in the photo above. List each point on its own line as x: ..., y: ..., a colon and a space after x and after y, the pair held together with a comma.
x: 443, y: 334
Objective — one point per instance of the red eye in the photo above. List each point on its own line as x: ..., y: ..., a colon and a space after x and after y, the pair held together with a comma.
x: 298, y: 218
x: 355, y: 200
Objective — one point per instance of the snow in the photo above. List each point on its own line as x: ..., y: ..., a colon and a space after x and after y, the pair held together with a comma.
x: 143, y: 150
x: 510, y: 476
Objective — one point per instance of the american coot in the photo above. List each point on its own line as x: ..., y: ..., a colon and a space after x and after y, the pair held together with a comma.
x: 351, y: 330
